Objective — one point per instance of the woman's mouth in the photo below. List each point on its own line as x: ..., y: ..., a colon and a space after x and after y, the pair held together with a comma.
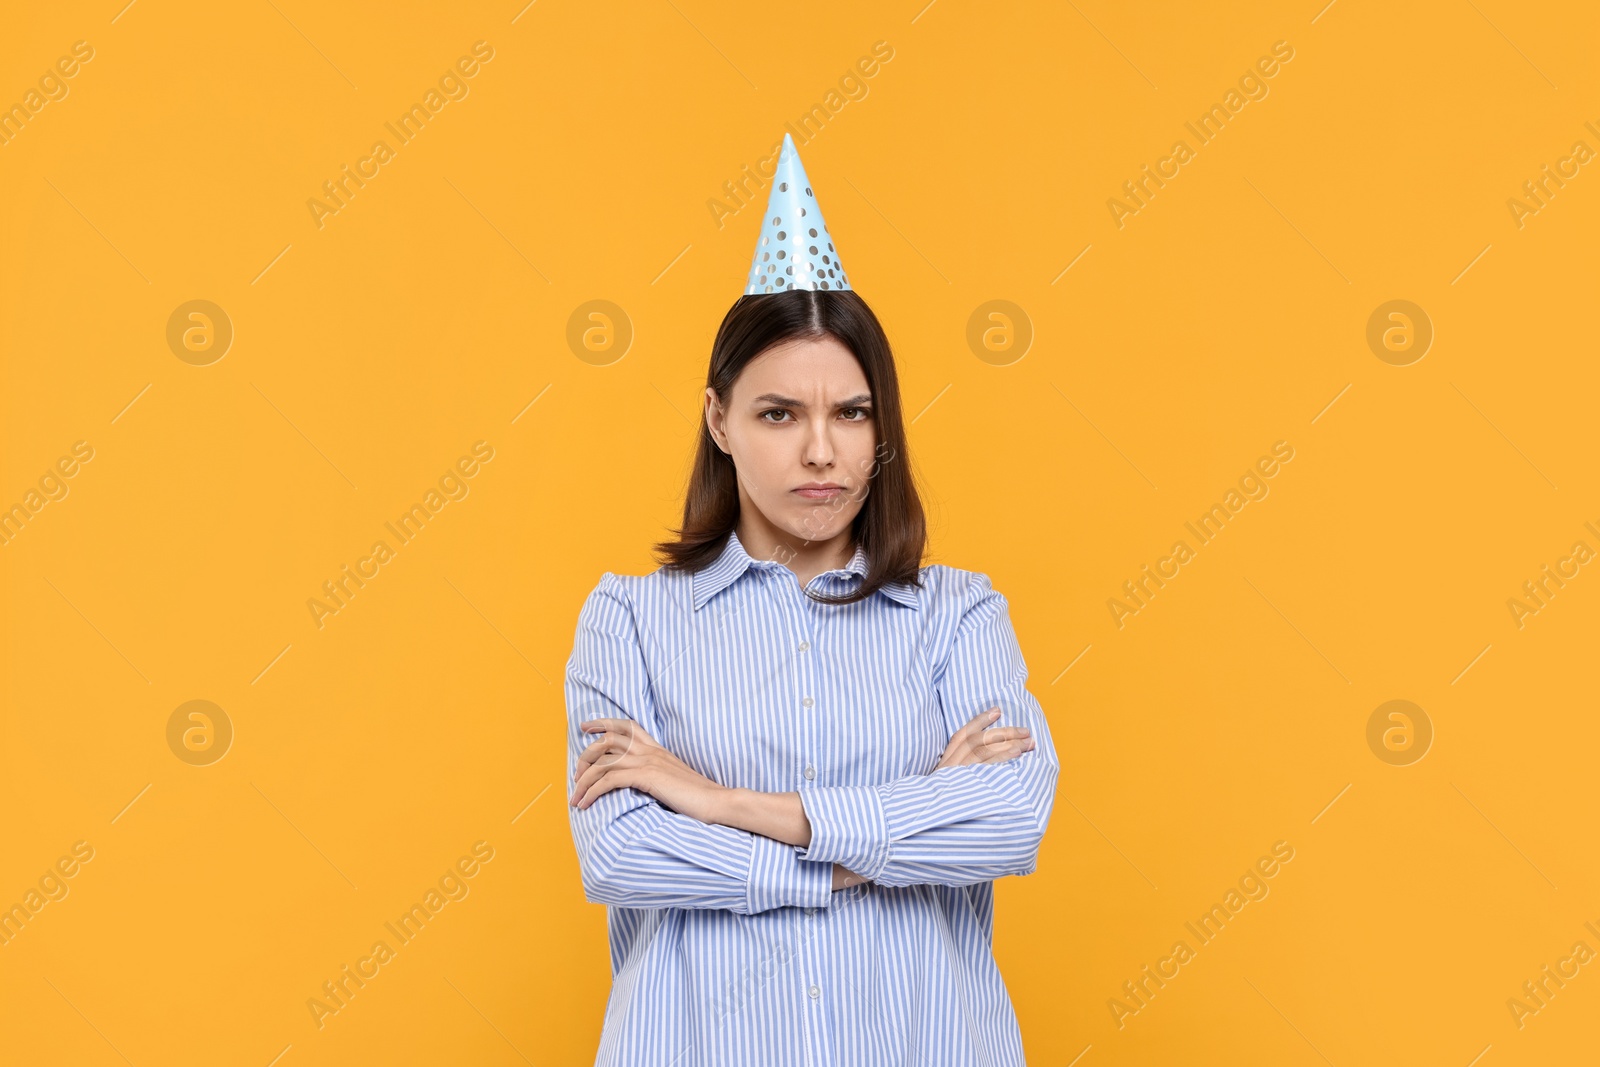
x: 820, y: 492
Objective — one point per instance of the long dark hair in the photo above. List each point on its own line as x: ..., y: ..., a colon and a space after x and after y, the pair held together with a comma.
x: 890, y: 527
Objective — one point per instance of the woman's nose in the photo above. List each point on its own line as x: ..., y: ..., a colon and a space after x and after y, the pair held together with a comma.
x: 819, y: 444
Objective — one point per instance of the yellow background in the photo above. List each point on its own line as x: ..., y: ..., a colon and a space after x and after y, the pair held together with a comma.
x: 427, y: 314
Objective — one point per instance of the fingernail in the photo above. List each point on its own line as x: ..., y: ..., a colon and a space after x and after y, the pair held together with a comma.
x: 994, y: 713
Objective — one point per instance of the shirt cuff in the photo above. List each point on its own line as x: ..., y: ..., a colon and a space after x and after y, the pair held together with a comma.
x: 779, y: 878
x: 848, y: 827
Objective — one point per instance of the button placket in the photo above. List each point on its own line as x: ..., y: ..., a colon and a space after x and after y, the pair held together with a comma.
x: 808, y: 618
x: 807, y: 678
x: 808, y: 737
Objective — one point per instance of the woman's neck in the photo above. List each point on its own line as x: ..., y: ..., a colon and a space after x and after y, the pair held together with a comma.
x: 761, y: 540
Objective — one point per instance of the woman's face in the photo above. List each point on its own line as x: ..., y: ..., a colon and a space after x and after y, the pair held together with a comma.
x: 800, y: 415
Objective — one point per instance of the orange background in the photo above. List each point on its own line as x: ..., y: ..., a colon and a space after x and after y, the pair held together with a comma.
x: 432, y: 310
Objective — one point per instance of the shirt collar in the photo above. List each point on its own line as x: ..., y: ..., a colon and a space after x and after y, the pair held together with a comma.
x: 734, y: 561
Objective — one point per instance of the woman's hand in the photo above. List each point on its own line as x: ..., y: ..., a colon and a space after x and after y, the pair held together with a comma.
x: 625, y: 755
x: 973, y: 744
x: 844, y: 877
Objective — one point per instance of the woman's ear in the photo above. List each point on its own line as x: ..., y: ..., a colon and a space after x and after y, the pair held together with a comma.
x: 714, y: 420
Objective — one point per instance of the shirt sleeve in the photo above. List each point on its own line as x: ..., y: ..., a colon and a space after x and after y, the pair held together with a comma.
x: 957, y: 825
x: 633, y: 852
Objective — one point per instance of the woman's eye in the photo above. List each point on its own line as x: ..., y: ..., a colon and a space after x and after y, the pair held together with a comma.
x: 774, y: 411
x: 866, y: 413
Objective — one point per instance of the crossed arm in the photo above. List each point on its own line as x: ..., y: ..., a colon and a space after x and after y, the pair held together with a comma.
x: 978, y: 816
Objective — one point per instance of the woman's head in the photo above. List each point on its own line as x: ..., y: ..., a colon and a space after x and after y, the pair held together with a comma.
x: 802, y: 390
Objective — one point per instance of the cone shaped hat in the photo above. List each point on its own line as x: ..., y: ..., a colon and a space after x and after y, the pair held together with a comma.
x: 795, y: 250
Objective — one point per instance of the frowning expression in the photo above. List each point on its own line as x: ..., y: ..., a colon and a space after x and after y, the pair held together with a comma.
x: 799, y: 426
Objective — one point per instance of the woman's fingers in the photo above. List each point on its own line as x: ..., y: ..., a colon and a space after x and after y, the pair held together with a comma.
x: 600, y: 779
x: 1006, y: 750
x: 617, y: 736
x: 967, y: 737
x: 975, y: 725
x: 964, y: 746
x: 1005, y: 742
x: 978, y: 742
x: 622, y: 727
x: 608, y: 741
x: 607, y: 745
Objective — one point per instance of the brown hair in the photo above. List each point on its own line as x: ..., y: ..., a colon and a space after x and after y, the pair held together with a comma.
x: 890, y: 527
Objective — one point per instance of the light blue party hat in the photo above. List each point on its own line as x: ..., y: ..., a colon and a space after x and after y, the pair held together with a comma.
x: 795, y: 250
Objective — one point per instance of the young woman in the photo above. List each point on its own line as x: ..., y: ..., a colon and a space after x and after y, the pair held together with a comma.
x: 800, y: 758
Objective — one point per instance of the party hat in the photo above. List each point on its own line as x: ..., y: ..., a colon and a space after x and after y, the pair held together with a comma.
x: 795, y: 250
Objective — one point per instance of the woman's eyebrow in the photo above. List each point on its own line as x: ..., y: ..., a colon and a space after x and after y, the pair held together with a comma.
x: 791, y: 402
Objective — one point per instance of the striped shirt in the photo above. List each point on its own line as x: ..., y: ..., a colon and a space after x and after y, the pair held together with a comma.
x: 731, y: 948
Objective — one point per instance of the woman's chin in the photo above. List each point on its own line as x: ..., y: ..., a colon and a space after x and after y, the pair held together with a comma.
x: 811, y: 526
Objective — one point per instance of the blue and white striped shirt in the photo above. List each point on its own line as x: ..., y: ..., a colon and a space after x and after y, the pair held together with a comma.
x: 731, y: 948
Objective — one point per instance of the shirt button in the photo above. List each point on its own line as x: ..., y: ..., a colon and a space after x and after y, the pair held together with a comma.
x: 811, y: 772
x: 815, y: 992
x: 804, y: 645
x: 807, y: 701
x: 810, y: 912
